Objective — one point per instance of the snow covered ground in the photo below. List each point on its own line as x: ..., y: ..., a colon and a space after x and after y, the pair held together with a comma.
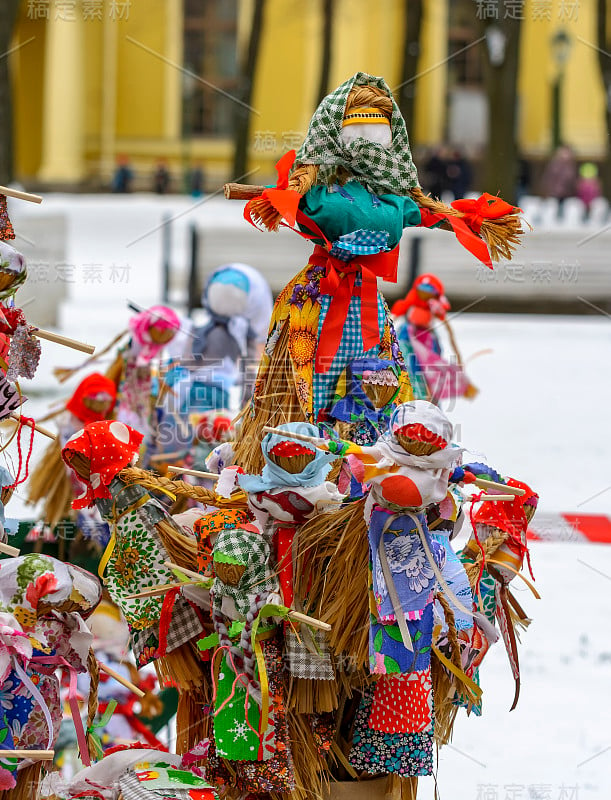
x: 541, y: 415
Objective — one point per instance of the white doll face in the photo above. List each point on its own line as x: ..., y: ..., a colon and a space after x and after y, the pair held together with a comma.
x: 378, y: 133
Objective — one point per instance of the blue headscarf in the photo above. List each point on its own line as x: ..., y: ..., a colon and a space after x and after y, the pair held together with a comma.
x: 274, y: 477
x: 355, y: 405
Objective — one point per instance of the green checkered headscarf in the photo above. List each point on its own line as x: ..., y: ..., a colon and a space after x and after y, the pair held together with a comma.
x: 243, y: 547
x: 384, y: 170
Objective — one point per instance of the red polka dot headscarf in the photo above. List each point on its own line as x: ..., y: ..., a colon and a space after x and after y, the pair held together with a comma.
x: 93, y: 386
x: 109, y: 446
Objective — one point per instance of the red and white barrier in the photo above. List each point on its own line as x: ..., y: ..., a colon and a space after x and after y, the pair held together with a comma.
x: 571, y: 528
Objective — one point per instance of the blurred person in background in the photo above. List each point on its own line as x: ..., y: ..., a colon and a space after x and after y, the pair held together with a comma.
x: 435, y: 179
x: 196, y: 181
x: 588, y: 184
x: 123, y: 177
x: 560, y: 175
x: 161, y: 178
x: 523, y: 178
x: 458, y: 173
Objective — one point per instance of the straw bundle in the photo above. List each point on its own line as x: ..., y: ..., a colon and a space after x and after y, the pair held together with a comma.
x: 275, y: 403
x: 472, y: 551
x: 159, y: 483
x: 380, y: 394
x: 293, y: 464
x: 416, y: 448
x: 332, y: 568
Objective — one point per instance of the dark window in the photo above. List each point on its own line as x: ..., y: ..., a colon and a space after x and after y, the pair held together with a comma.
x: 210, y: 61
x: 465, y: 66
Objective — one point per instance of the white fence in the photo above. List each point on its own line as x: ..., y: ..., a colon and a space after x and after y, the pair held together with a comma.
x: 562, y: 258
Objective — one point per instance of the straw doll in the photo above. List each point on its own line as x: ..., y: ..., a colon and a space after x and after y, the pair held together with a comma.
x: 432, y: 376
x: 292, y: 489
x: 143, y: 537
x: 43, y: 605
x: 492, y: 557
x: 392, y: 584
x: 250, y: 733
x: 93, y: 400
x: 364, y: 399
x: 352, y: 189
x: 150, y: 332
x: 135, y: 366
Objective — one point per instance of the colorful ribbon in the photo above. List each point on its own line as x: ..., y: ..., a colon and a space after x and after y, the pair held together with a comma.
x: 339, y: 282
x: 54, y: 661
x: 106, y: 714
x: 467, y: 227
x: 166, y: 618
x: 283, y: 199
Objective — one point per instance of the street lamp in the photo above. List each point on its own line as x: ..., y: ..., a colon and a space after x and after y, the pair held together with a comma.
x: 496, y: 42
x: 561, y: 44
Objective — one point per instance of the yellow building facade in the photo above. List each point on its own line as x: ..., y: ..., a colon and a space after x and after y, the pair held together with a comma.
x: 96, y: 80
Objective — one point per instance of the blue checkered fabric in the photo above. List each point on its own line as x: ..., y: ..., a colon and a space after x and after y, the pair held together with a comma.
x: 360, y: 243
x: 350, y: 347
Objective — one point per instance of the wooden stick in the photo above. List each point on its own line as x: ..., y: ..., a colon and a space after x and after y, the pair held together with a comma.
x: 453, y: 343
x: 188, y: 572
x: 65, y: 340
x: 9, y: 550
x: 37, y: 428
x: 315, y: 623
x: 36, y: 755
x: 242, y: 191
x: 164, y: 456
x: 120, y: 679
x: 195, y: 472
x: 158, y: 590
x: 32, y: 198
x: 492, y: 497
x: 302, y: 437
x: 484, y: 483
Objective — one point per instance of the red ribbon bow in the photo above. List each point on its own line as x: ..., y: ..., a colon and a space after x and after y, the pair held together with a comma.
x: 467, y: 228
x: 339, y: 282
x: 283, y: 199
x: 340, y: 277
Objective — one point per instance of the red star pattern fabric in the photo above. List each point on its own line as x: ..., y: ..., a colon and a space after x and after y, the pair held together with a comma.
x: 403, y: 703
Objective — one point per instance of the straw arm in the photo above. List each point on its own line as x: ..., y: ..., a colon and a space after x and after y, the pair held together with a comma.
x: 242, y: 191
x: 213, y: 476
x: 120, y: 679
x: 64, y: 340
x: 35, y: 755
x: 9, y: 550
x: 37, y: 428
x: 19, y: 195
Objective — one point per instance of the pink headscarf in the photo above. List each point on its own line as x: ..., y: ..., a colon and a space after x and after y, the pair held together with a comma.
x: 140, y: 326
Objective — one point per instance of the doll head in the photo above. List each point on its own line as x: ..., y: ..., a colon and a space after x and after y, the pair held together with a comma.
x: 357, y: 132
x: 6, y: 487
x: 289, y: 462
x: 364, y: 397
x: 242, y: 569
x: 426, y: 299
x: 152, y: 329
x: 420, y: 428
x: 291, y: 456
x: 227, y: 293
x: 13, y: 270
x: 97, y: 454
x: 93, y: 399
